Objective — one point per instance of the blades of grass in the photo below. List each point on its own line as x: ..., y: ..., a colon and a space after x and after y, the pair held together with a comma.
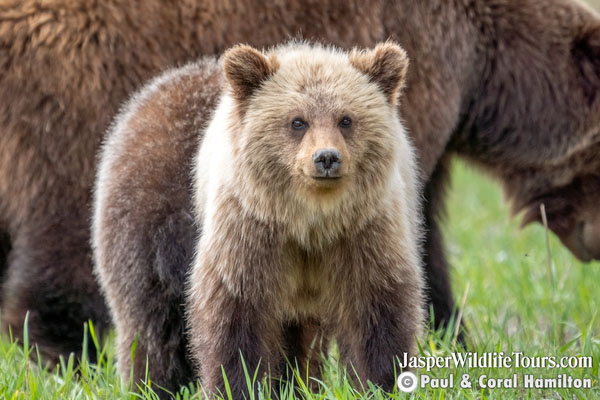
x: 84, y: 350
x: 448, y: 329
x: 587, y: 343
x: 298, y: 378
x: 62, y: 366
x: 147, y: 379
x: 31, y: 385
x: 570, y: 343
x: 153, y: 392
x: 88, y: 390
x: 69, y: 371
x: 99, y: 350
x: 147, y: 392
x: 250, y: 382
x: 362, y: 386
x: 38, y: 357
x: 420, y: 347
x: 460, y: 314
x: 26, y: 337
x: 226, y: 384
x: 548, y: 251
x: 133, y: 348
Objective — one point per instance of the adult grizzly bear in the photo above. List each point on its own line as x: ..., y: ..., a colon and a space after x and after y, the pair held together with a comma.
x: 510, y: 84
x: 306, y: 205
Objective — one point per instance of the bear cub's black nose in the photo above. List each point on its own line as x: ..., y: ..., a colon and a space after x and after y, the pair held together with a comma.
x: 328, y: 163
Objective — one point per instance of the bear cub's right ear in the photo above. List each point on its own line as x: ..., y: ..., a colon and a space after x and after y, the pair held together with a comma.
x: 385, y: 65
x: 246, y: 69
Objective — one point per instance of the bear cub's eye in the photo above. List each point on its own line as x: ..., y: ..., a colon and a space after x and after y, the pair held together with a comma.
x: 298, y: 124
x: 345, y: 122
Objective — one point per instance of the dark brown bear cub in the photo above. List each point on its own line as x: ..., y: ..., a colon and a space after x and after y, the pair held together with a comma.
x: 305, y: 191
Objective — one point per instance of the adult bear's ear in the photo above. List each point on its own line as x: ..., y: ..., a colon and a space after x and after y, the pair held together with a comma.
x: 246, y: 69
x: 386, y: 65
x: 586, y: 54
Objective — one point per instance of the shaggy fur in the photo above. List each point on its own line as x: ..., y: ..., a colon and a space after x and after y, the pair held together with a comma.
x: 510, y: 84
x: 143, y: 225
x: 283, y: 260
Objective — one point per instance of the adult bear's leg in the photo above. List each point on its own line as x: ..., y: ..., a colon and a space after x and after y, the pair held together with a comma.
x: 49, y: 274
x: 437, y: 276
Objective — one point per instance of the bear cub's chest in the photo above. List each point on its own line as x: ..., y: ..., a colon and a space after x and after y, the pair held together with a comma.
x: 308, y: 283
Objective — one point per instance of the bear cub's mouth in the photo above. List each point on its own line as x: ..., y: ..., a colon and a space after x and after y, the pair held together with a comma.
x: 327, y: 177
x: 326, y: 182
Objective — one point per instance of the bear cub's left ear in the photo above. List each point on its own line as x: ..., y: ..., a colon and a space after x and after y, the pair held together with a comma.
x: 386, y: 65
x: 246, y: 69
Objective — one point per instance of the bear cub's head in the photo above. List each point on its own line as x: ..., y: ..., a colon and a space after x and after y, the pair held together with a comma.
x: 317, y: 132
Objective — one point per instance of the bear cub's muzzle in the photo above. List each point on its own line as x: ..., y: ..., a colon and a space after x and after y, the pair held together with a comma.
x: 328, y: 164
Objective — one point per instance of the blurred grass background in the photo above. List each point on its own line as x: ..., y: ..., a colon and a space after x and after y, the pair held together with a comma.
x: 515, y: 302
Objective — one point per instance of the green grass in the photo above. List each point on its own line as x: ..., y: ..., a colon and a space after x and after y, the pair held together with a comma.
x: 515, y: 302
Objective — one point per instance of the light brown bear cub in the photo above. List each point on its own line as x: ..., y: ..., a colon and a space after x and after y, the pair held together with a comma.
x: 305, y: 222
x: 306, y: 194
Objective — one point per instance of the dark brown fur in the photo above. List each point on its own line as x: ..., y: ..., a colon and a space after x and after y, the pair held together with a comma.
x: 510, y: 84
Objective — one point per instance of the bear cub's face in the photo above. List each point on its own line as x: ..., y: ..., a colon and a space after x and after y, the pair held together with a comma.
x: 314, y: 120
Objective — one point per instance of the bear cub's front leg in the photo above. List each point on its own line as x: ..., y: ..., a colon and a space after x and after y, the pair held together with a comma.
x: 382, y: 315
x: 231, y: 307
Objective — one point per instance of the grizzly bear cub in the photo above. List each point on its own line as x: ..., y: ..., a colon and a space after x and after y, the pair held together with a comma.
x: 306, y: 206
x: 305, y: 192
